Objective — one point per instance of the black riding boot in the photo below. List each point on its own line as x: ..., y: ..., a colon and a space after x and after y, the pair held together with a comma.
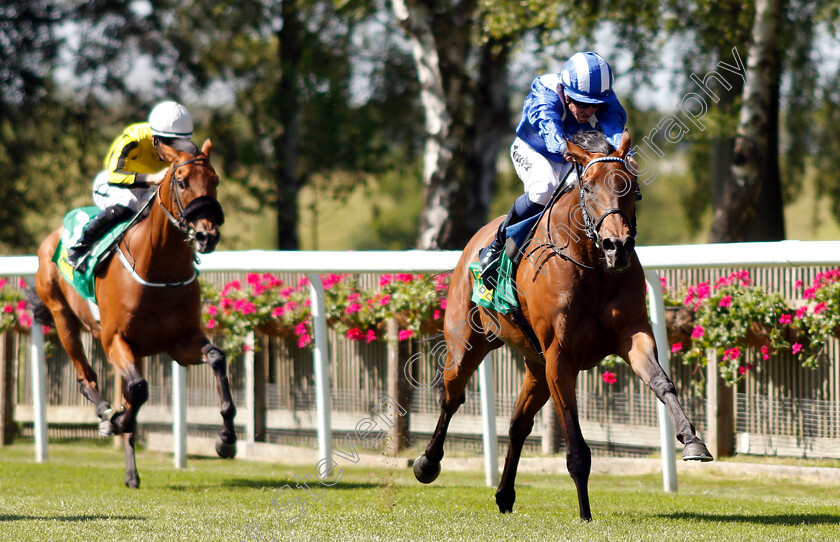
x: 489, y: 254
x: 522, y: 209
x: 95, y: 229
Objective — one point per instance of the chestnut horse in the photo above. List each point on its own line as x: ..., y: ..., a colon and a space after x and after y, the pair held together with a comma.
x: 148, y: 297
x: 584, y: 297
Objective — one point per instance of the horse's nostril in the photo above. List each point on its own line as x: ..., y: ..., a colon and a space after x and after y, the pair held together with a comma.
x: 201, y: 237
x: 608, y: 244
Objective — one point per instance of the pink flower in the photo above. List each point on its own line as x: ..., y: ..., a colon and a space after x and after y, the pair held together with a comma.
x: 8, y: 309
x: 798, y: 284
x: 821, y: 306
x: 385, y: 280
x: 726, y: 301
x: 22, y: 284
x: 765, y: 352
x: 253, y: 278
x: 247, y: 348
x: 443, y: 304
x: 3, y: 283
x: 404, y: 334
x: 664, y: 282
x: 732, y: 353
x: 287, y: 291
x: 796, y: 348
x: 330, y: 280
x: 211, y: 323
x: 785, y: 319
x: 371, y: 336
x: 436, y: 315
x: 355, y: 334
x: 45, y: 329
x: 226, y: 302
x: 385, y: 300
x: 353, y: 307
x: 697, y: 332
x: 278, y: 312
x: 676, y: 347
x: 304, y: 340
x: 609, y: 378
x: 25, y: 320
x: 404, y: 277
x: 21, y: 305
x: 212, y: 309
x: 809, y: 293
x: 353, y: 297
x: 302, y: 283
x: 801, y: 312
x: 300, y: 329
x: 232, y: 285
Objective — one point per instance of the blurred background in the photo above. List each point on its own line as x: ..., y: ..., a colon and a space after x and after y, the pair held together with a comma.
x: 363, y: 124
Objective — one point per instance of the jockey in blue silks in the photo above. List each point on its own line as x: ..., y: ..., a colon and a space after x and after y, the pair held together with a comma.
x: 579, y: 98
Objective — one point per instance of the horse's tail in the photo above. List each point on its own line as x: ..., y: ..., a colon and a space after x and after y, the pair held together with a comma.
x: 40, y: 312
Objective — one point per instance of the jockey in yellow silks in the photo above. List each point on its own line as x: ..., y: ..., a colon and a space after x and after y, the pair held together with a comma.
x: 133, y: 165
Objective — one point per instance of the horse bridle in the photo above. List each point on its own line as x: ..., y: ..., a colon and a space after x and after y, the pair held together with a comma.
x: 201, y: 203
x: 591, y: 227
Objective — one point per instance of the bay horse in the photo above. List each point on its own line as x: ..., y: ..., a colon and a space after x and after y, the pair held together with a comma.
x: 149, y: 298
x: 582, y: 290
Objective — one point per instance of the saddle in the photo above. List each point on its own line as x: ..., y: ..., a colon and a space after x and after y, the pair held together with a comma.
x: 501, y: 294
x: 74, y: 223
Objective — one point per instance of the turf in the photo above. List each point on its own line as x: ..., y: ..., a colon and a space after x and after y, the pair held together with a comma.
x: 78, y: 495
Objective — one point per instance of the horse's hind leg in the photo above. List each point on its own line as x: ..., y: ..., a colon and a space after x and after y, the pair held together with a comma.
x: 561, y: 383
x: 68, y: 327
x: 463, y: 356
x: 640, y: 352
x: 532, y: 396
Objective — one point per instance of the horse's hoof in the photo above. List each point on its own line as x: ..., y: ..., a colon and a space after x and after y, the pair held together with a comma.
x: 505, y: 501
x: 696, y: 451
x: 426, y: 471
x: 107, y: 429
x: 225, y: 450
x: 132, y: 483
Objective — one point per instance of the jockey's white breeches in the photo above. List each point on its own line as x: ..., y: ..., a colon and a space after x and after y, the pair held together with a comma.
x: 105, y: 195
x: 540, y: 175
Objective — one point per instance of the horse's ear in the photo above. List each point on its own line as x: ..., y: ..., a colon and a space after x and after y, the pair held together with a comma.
x: 624, y: 145
x: 576, y: 154
x: 207, y: 147
x: 168, y: 153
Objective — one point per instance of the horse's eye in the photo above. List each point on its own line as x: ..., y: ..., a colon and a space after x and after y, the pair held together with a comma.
x: 181, y: 184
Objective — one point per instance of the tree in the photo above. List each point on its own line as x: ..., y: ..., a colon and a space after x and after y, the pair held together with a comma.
x: 755, y: 166
x: 466, y: 116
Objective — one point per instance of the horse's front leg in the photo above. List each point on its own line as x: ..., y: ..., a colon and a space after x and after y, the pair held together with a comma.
x: 639, y: 350
x: 199, y: 349
x: 135, y: 393
x: 532, y: 396
x: 561, y: 375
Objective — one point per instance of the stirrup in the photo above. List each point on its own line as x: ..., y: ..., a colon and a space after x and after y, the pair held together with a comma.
x: 487, y: 256
x: 77, y: 254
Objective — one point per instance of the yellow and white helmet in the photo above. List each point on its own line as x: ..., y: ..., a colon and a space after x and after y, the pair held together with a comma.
x: 171, y: 119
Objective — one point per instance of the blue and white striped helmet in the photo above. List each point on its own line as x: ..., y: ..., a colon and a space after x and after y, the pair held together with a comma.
x: 587, y: 78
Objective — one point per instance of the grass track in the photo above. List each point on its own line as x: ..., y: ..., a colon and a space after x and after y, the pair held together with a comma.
x: 79, y: 496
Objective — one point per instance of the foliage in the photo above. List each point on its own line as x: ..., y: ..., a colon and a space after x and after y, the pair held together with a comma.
x: 734, y: 315
x: 267, y: 304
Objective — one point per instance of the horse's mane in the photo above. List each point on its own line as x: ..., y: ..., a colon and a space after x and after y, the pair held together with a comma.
x: 180, y: 144
x: 592, y: 141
